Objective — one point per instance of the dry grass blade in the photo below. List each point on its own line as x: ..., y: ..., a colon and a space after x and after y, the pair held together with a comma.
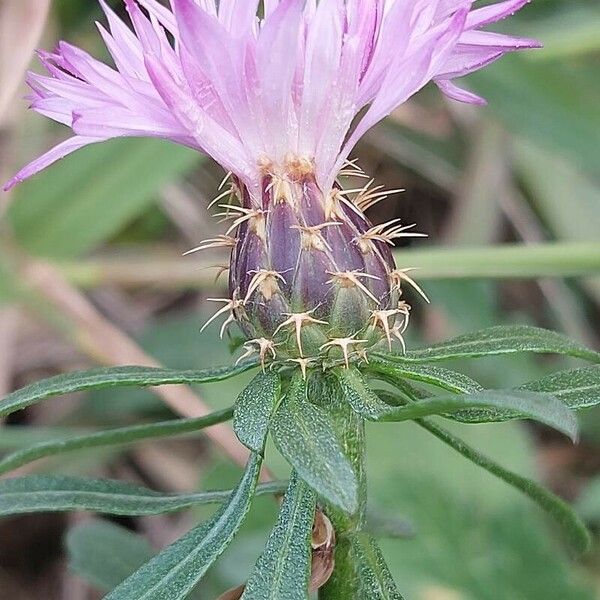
x: 21, y: 26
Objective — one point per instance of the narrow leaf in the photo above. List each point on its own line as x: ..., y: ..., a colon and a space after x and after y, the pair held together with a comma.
x: 174, y: 572
x: 559, y: 510
x: 542, y: 407
x: 499, y: 340
x: 305, y: 437
x: 56, y: 493
x: 376, y: 580
x: 360, y: 396
x: 105, y: 554
x: 577, y: 388
x: 124, y: 435
x: 283, y: 570
x: 113, y: 377
x: 254, y: 408
x: 430, y: 374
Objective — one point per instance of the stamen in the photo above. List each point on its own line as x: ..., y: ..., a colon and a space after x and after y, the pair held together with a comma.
x: 298, y: 320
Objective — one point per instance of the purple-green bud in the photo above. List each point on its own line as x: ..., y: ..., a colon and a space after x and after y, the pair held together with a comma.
x: 310, y: 277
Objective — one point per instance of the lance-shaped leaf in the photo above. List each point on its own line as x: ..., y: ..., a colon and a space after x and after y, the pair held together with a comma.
x: 363, y: 400
x: 566, y: 517
x: 499, y: 340
x: 514, y: 404
x: 57, y: 493
x: 440, y: 377
x: 577, y: 388
x: 174, y: 572
x: 113, y: 377
x: 254, y: 408
x: 305, y: 437
x: 112, y: 437
x: 376, y: 581
x: 283, y: 570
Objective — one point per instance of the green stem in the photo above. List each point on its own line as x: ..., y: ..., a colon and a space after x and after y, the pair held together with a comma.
x: 344, y: 582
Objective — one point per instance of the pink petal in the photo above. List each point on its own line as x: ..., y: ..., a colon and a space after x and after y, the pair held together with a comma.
x: 456, y: 93
x: 58, y: 152
x: 493, y: 12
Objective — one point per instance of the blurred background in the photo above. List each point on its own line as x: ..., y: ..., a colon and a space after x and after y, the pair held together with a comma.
x: 91, y: 272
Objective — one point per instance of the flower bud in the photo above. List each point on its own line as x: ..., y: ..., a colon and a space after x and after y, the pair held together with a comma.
x: 310, y: 277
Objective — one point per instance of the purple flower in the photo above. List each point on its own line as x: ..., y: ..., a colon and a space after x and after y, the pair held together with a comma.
x: 280, y: 101
x: 251, y: 91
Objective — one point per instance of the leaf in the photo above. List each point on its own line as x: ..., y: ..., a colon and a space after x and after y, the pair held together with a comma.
x: 175, y: 571
x: 304, y: 435
x: 57, y: 493
x: 104, y: 553
x: 283, y: 570
x: 253, y: 409
x: 431, y: 374
x: 542, y: 407
x: 376, y: 580
x: 113, y: 377
x: 124, y: 435
x: 359, y: 395
x: 560, y: 511
x: 498, y: 340
x: 63, y: 212
x: 577, y: 388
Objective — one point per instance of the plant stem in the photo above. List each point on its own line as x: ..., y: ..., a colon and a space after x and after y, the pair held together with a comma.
x: 344, y: 583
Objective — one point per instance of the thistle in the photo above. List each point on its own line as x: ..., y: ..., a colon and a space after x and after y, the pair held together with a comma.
x: 279, y: 101
x: 279, y: 93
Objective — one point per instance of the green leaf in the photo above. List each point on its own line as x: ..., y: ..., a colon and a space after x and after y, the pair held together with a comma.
x: 63, y: 212
x: 56, y: 493
x: 305, y: 437
x: 174, y: 572
x: 253, y: 409
x: 566, y: 517
x: 430, y: 374
x: 113, y: 377
x: 577, y: 388
x: 496, y: 341
x: 124, y: 435
x: 376, y: 580
x: 283, y: 570
x: 363, y: 400
x: 105, y: 554
x: 542, y: 407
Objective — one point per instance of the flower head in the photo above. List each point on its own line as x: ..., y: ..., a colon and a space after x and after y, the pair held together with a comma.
x: 253, y: 91
x: 280, y: 100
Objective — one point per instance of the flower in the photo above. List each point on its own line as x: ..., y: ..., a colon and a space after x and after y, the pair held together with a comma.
x: 280, y: 100
x: 249, y: 90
